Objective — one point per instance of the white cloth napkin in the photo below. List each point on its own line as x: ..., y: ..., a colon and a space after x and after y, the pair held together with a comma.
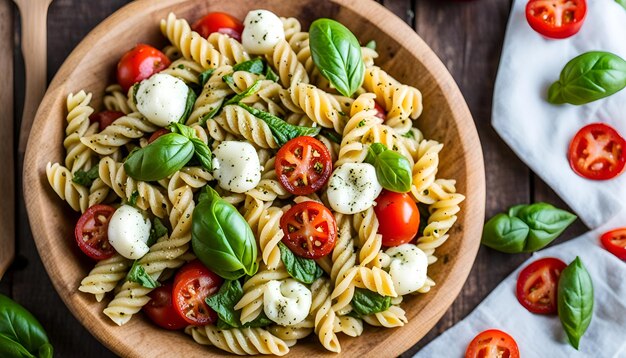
x: 539, y: 133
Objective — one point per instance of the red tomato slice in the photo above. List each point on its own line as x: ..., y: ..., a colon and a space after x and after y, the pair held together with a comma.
x: 537, y: 285
x: 105, y: 118
x: 303, y: 165
x: 310, y: 230
x: 492, y: 343
x: 380, y: 111
x: 557, y: 19
x: 398, y: 217
x: 615, y: 242
x: 140, y: 63
x: 597, y: 152
x: 219, y: 22
x: 161, y: 310
x: 157, y: 134
x: 192, y: 285
x: 91, y: 232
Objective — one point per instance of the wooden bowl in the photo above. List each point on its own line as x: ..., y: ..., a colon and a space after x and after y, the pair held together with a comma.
x: 91, y: 65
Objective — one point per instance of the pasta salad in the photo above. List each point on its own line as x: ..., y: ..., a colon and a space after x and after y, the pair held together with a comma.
x: 254, y: 184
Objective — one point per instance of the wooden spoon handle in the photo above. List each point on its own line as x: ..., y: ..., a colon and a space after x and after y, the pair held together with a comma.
x: 34, y: 50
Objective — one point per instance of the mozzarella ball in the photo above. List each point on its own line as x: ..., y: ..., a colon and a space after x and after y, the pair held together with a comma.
x: 162, y: 99
x: 262, y: 31
x: 407, y: 268
x: 236, y: 166
x: 286, y: 302
x: 129, y: 232
x: 353, y: 187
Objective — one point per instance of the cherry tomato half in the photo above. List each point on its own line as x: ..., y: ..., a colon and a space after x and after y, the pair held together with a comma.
x: 157, y: 134
x: 192, y: 285
x: 140, y: 63
x: 537, y: 285
x: 398, y: 217
x: 597, y: 152
x: 161, y: 310
x: 557, y: 19
x: 492, y: 343
x: 380, y: 111
x: 310, y: 230
x: 303, y: 165
x: 219, y: 22
x: 615, y: 242
x: 91, y: 232
x: 105, y: 118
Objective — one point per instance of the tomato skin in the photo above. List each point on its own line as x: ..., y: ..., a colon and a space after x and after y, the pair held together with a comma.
x: 157, y: 134
x: 537, y: 285
x: 380, y: 111
x: 140, y: 63
x: 615, y: 242
x: 105, y: 118
x: 192, y: 285
x: 303, y: 231
x: 303, y: 165
x: 91, y: 232
x: 541, y: 17
x: 161, y: 310
x: 597, y: 152
x: 492, y: 343
x: 398, y: 217
x: 219, y: 22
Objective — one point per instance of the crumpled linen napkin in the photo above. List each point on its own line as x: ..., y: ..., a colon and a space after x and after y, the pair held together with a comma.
x: 540, y: 133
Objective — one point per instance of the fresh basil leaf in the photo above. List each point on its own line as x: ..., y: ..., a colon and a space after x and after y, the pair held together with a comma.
x: 191, y: 100
x: 20, y: 332
x: 575, y: 301
x: 331, y: 134
x: 248, y: 92
x: 365, y: 302
x: 505, y: 233
x: 157, y: 231
x: 546, y: 223
x: 222, y: 239
x: 209, y: 115
x: 303, y: 270
x: 86, y: 178
x: 514, y: 210
x: 282, y: 131
x: 337, y: 54
x: 270, y: 74
x: 204, y: 76
x: 223, y: 303
x: 159, y: 159
x: 203, y: 153
x: 132, y: 201
x: 228, y: 79
x: 255, y: 66
x: 622, y: 3
x: 409, y: 134
x: 183, y: 130
x: 137, y: 273
x: 393, y: 170
x: 371, y: 45
x: 589, y: 77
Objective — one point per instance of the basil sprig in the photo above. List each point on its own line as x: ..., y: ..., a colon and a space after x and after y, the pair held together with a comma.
x: 332, y: 135
x: 393, y: 170
x: 221, y: 238
x: 371, y: 44
x: 622, y: 3
x: 191, y: 100
x: 137, y: 273
x: 589, y: 77
x: 300, y: 268
x: 157, y: 231
x: 248, y: 92
x: 86, y: 178
x: 575, y: 301
x: 337, y: 54
x: 282, y: 131
x: 526, y: 228
x: 204, y: 76
x: 21, y: 335
x: 223, y: 303
x: 365, y: 302
x: 256, y: 66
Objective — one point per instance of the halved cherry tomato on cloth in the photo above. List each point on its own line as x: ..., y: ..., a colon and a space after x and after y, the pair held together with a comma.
x: 398, y: 217
x: 380, y: 111
x: 192, y: 285
x: 597, y: 152
x: 615, y: 242
x: 157, y: 134
x: 105, y: 118
x: 310, y: 230
x: 557, y: 19
x: 91, y: 232
x: 303, y: 165
x: 161, y: 310
x: 219, y: 22
x: 140, y: 63
x: 492, y: 343
x: 537, y: 285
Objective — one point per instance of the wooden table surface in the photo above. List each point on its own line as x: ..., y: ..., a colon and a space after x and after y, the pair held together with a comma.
x: 467, y: 37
